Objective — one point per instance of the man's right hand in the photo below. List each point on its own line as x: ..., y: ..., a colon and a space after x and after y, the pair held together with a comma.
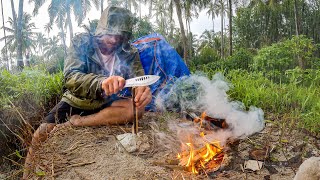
x: 113, y: 85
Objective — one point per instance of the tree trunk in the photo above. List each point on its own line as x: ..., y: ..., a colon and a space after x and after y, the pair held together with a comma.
x: 70, y: 25
x: 213, y: 35
x: 190, y: 40
x: 222, y: 42
x: 296, y: 17
x: 14, y: 16
x: 19, y: 36
x: 5, y: 40
x: 101, y: 4
x: 63, y: 38
x: 184, y: 39
x: 140, y: 9
x: 230, y: 27
x: 150, y: 9
x: 27, y: 60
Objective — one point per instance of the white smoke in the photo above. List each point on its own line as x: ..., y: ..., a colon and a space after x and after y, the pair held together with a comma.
x: 197, y: 93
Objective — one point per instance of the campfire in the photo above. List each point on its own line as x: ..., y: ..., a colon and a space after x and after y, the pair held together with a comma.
x: 208, y: 157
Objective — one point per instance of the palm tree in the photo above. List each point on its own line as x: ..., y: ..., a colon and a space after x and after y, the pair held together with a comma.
x: 221, y: 10
x: 14, y: 15
x: 101, y: 5
x: 230, y: 27
x: 62, y: 8
x: 48, y: 28
x: 161, y: 15
x: 19, y: 36
x: 27, y: 36
x: 52, y: 47
x: 40, y: 42
x: 212, y: 12
x: 5, y: 40
x: 183, y: 34
x: 91, y: 28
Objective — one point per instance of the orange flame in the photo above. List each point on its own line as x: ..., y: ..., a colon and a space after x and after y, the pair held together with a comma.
x: 198, y: 159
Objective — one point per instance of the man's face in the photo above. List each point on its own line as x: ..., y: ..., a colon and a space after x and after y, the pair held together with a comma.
x: 109, y: 43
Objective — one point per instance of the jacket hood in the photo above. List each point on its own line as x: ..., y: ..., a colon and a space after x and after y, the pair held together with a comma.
x: 115, y: 21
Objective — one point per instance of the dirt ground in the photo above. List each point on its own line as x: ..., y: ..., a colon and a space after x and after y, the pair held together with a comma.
x: 95, y: 153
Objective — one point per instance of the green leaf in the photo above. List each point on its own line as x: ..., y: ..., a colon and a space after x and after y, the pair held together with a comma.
x: 18, y: 154
x: 40, y: 173
x: 269, y: 121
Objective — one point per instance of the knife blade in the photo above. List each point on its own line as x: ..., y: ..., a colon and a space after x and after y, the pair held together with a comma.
x: 142, y: 81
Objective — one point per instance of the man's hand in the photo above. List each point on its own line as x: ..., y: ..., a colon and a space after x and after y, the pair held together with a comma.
x: 143, y: 96
x: 113, y: 85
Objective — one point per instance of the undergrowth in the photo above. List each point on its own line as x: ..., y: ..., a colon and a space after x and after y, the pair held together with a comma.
x: 299, y: 97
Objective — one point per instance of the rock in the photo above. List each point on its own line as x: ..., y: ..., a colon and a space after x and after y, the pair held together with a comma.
x: 309, y: 169
x: 134, y: 142
x: 253, y: 165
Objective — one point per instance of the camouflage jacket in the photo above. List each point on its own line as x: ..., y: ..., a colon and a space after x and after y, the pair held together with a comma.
x: 84, y: 72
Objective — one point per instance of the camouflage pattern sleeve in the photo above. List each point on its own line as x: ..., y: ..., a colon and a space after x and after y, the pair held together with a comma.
x: 77, y: 80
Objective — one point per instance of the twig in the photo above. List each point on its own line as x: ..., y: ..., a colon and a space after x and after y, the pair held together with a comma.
x: 22, y: 140
x: 52, y: 170
x: 74, y: 146
x: 80, y: 164
x: 12, y: 161
x: 182, y: 176
x: 135, y: 114
x: 15, y: 108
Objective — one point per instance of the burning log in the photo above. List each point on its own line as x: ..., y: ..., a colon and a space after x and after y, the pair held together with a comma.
x: 210, y: 155
x: 205, y: 119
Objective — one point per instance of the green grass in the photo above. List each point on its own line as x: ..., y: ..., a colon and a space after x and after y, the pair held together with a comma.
x: 34, y: 83
x: 296, y: 100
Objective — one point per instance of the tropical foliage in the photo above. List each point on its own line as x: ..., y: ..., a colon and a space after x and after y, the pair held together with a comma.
x: 267, y: 46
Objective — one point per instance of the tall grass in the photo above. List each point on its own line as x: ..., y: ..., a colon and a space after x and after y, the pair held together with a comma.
x: 300, y: 101
x: 35, y: 83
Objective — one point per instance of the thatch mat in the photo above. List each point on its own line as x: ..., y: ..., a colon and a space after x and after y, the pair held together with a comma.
x: 93, y: 153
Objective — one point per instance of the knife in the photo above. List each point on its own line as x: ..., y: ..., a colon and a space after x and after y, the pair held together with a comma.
x: 142, y: 81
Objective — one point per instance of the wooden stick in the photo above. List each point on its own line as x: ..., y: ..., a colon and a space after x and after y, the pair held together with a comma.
x: 135, y: 114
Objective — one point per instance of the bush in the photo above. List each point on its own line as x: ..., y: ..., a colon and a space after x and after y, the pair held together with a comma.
x: 207, y: 55
x: 39, y: 83
x: 25, y: 98
x: 241, y: 59
x: 274, y: 60
x: 254, y: 89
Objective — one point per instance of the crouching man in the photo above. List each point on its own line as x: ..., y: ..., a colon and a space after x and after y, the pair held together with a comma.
x: 95, y: 71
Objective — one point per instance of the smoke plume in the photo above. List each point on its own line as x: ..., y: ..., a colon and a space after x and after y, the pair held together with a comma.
x: 197, y: 93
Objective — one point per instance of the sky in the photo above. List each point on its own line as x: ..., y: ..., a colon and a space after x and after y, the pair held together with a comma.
x: 197, y: 25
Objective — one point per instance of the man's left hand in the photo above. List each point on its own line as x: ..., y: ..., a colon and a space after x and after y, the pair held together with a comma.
x: 143, y: 96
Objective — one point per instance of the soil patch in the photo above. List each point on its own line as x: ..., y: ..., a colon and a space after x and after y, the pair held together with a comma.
x: 95, y: 153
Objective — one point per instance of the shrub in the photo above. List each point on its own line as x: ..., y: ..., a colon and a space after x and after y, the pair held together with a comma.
x: 241, y: 59
x: 274, y: 60
x: 254, y: 89
x: 207, y: 55
x: 39, y: 83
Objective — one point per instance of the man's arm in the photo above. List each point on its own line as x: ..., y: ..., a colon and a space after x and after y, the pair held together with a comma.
x: 77, y: 80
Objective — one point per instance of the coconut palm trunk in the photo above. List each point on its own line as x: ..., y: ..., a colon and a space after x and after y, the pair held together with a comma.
x: 101, y: 6
x: 19, y: 36
x: 230, y: 27
x: 222, y: 39
x: 183, y: 34
x: 70, y: 24
x: 5, y: 40
x: 14, y: 15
